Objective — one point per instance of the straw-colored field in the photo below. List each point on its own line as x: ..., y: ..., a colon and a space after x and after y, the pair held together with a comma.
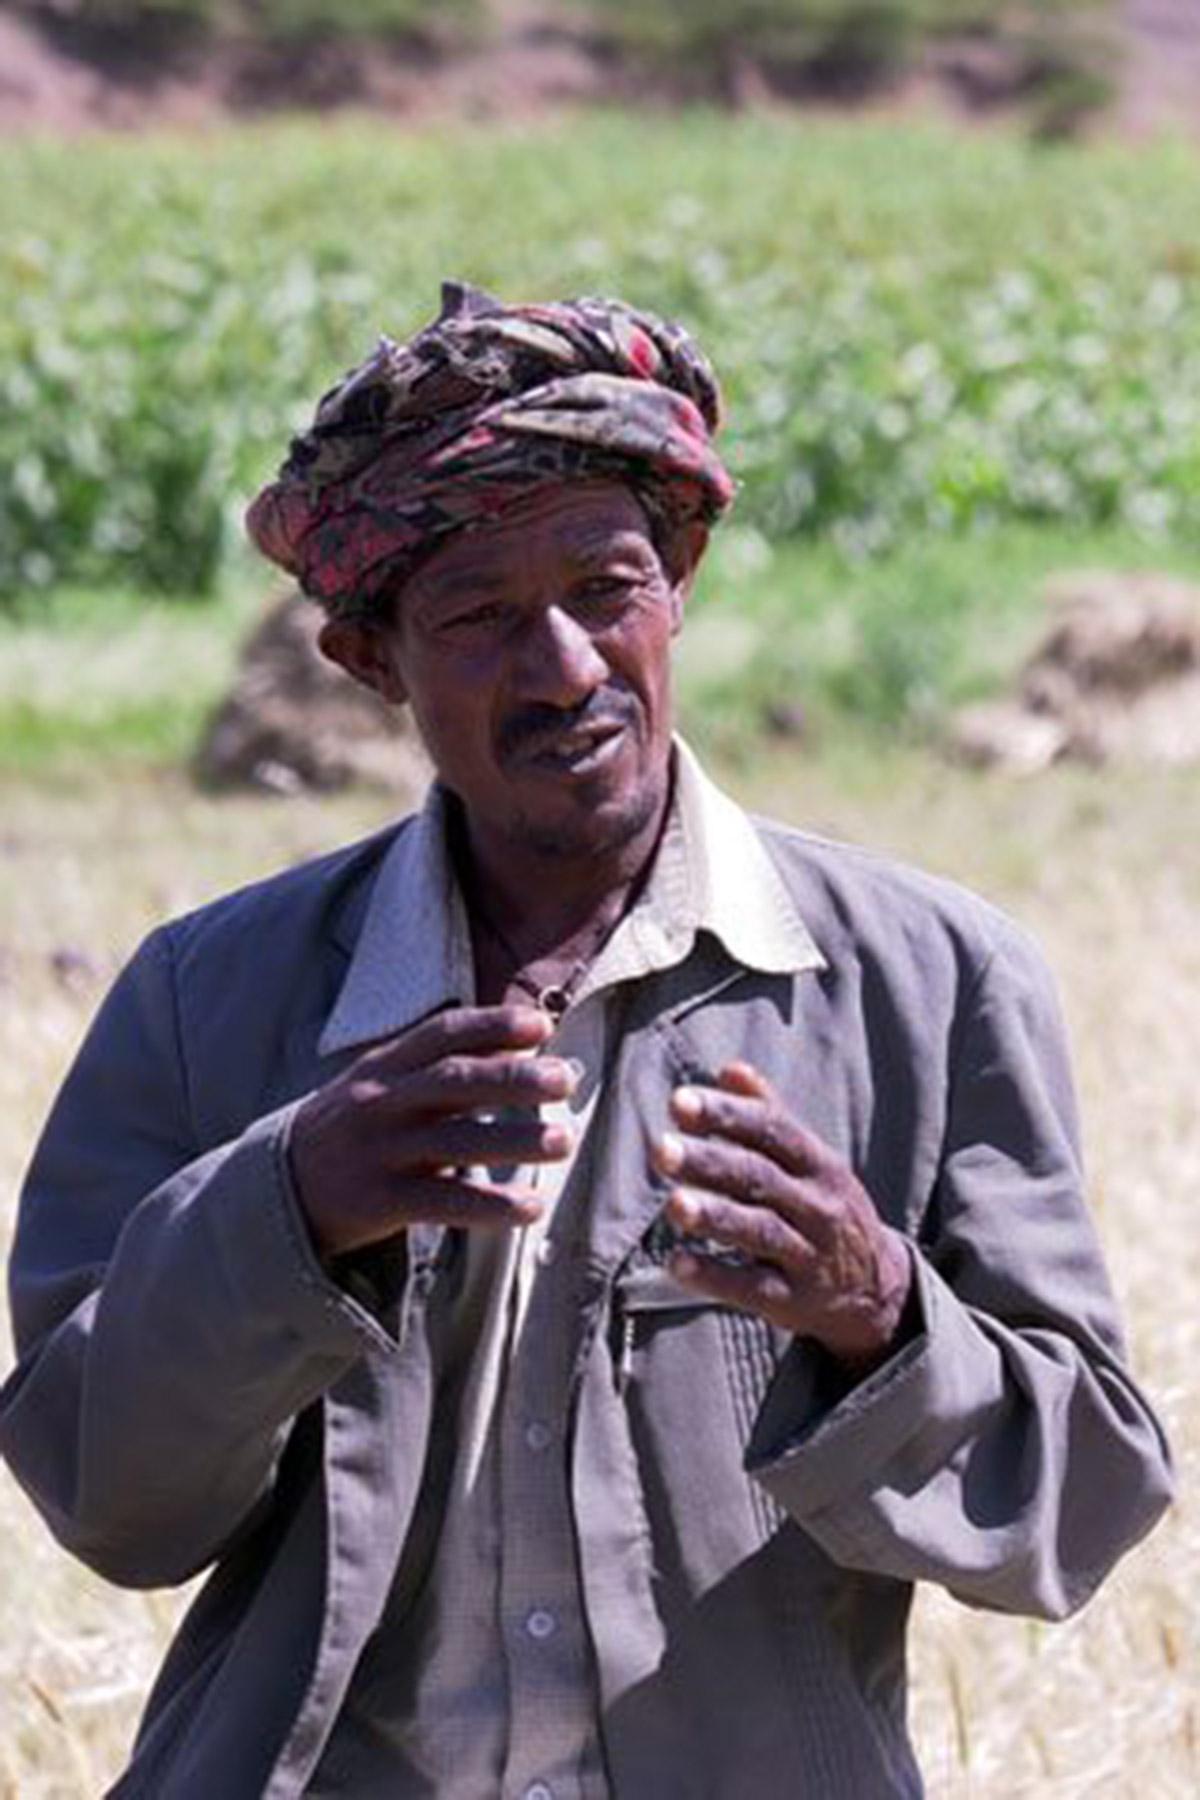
x: 1107, y: 871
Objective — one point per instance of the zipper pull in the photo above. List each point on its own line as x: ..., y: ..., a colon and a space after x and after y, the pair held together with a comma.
x: 625, y: 1355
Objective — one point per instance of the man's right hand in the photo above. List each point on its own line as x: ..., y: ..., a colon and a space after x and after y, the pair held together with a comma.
x: 383, y: 1145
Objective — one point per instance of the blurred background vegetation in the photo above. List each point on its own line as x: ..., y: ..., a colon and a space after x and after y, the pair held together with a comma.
x: 255, y: 18
x: 878, y: 31
x: 1060, y: 50
x: 841, y: 43
x: 955, y: 359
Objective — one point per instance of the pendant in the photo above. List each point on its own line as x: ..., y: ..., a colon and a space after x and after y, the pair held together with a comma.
x: 555, y: 1001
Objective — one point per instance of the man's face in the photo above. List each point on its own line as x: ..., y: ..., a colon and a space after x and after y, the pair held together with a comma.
x: 535, y: 653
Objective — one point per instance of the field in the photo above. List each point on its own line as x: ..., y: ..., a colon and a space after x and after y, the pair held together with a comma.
x: 922, y: 334
x: 955, y: 364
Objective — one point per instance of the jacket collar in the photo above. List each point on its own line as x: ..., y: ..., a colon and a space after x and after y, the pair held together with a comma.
x: 712, y: 874
x: 413, y: 950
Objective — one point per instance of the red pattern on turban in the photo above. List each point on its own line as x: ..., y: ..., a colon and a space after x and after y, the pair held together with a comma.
x: 437, y: 435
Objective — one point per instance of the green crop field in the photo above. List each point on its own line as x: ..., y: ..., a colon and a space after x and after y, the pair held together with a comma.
x: 920, y: 332
x: 953, y: 363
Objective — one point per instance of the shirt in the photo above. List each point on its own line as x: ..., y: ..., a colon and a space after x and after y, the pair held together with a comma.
x: 479, y: 1681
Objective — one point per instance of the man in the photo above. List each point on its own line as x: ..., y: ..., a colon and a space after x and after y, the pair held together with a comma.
x: 569, y: 1264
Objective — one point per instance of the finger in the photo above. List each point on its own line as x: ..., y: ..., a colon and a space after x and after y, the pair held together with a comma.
x: 746, y: 1175
x: 428, y: 1200
x: 744, y: 1078
x: 759, y: 1124
x: 456, y: 1031
x: 722, y: 1168
x: 449, y: 1200
x: 495, y: 1143
x: 761, y: 1235
x: 461, y: 1083
x: 759, y: 1290
x: 432, y: 1201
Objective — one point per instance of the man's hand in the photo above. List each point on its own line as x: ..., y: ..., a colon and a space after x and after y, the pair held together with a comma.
x: 821, y: 1262
x: 384, y: 1144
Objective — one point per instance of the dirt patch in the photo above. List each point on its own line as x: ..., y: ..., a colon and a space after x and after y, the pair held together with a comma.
x: 1161, y: 80
x: 60, y: 76
x: 1115, y: 679
x: 293, y: 723
x: 63, y: 77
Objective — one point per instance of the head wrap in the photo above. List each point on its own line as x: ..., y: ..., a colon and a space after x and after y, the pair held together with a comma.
x: 441, y: 433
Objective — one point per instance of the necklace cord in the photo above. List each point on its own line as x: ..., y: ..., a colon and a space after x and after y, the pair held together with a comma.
x: 553, y: 997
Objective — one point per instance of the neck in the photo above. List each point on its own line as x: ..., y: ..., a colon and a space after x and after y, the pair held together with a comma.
x: 542, y: 900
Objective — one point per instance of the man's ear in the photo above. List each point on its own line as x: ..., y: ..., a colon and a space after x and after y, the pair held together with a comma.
x: 362, y: 648
x: 687, y: 547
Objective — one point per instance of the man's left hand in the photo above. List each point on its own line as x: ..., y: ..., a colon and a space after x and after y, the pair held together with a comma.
x: 820, y: 1261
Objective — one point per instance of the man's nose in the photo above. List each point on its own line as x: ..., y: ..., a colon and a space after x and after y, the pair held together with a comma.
x: 560, y: 663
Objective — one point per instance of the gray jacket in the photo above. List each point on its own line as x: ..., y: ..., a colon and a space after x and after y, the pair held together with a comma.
x: 194, y: 1391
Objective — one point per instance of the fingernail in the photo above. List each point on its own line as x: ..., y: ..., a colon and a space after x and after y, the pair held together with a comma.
x: 670, y: 1153
x: 560, y: 1077
x: 683, y: 1210
x: 556, y: 1140
x: 576, y: 1069
x: 686, y: 1104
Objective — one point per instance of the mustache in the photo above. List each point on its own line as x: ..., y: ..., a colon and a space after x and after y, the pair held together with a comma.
x: 534, y: 726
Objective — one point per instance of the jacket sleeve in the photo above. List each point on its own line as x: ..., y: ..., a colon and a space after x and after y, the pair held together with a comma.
x: 170, y: 1316
x: 1005, y: 1451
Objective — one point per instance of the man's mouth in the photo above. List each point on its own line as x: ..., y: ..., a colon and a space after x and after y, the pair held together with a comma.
x: 577, y: 750
x: 568, y: 741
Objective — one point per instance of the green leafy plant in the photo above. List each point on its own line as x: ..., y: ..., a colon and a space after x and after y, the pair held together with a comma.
x: 267, y: 19
x: 833, y: 39
x: 921, y: 335
x: 284, y: 19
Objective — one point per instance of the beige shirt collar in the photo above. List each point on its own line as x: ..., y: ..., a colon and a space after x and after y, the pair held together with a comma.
x: 711, y: 873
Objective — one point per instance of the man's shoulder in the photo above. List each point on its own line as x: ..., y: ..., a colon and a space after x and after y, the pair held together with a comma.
x: 323, y: 895
x: 846, y: 892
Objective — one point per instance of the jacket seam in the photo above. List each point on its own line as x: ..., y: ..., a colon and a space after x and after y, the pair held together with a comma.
x: 964, y: 1019
x: 166, y: 939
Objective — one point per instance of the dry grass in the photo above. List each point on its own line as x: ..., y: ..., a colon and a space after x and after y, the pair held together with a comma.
x: 1107, y: 871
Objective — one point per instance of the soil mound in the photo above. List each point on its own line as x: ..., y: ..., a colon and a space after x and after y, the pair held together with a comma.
x: 1115, y: 678
x: 293, y: 722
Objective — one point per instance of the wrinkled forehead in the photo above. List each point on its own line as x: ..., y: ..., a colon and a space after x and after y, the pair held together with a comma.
x: 574, y: 523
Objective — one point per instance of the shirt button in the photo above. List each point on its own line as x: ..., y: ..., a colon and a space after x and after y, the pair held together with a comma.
x: 541, y: 1624
x: 539, y: 1791
x: 537, y: 1435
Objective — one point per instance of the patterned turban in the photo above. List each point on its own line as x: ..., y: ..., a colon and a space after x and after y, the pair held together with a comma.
x: 442, y: 433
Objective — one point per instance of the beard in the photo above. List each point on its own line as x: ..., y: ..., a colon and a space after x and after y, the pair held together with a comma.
x: 600, y: 826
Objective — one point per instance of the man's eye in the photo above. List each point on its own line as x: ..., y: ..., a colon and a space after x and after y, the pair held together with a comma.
x: 605, y: 590
x: 474, y: 618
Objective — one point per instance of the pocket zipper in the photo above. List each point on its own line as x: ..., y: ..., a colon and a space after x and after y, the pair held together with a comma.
x: 625, y: 1355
